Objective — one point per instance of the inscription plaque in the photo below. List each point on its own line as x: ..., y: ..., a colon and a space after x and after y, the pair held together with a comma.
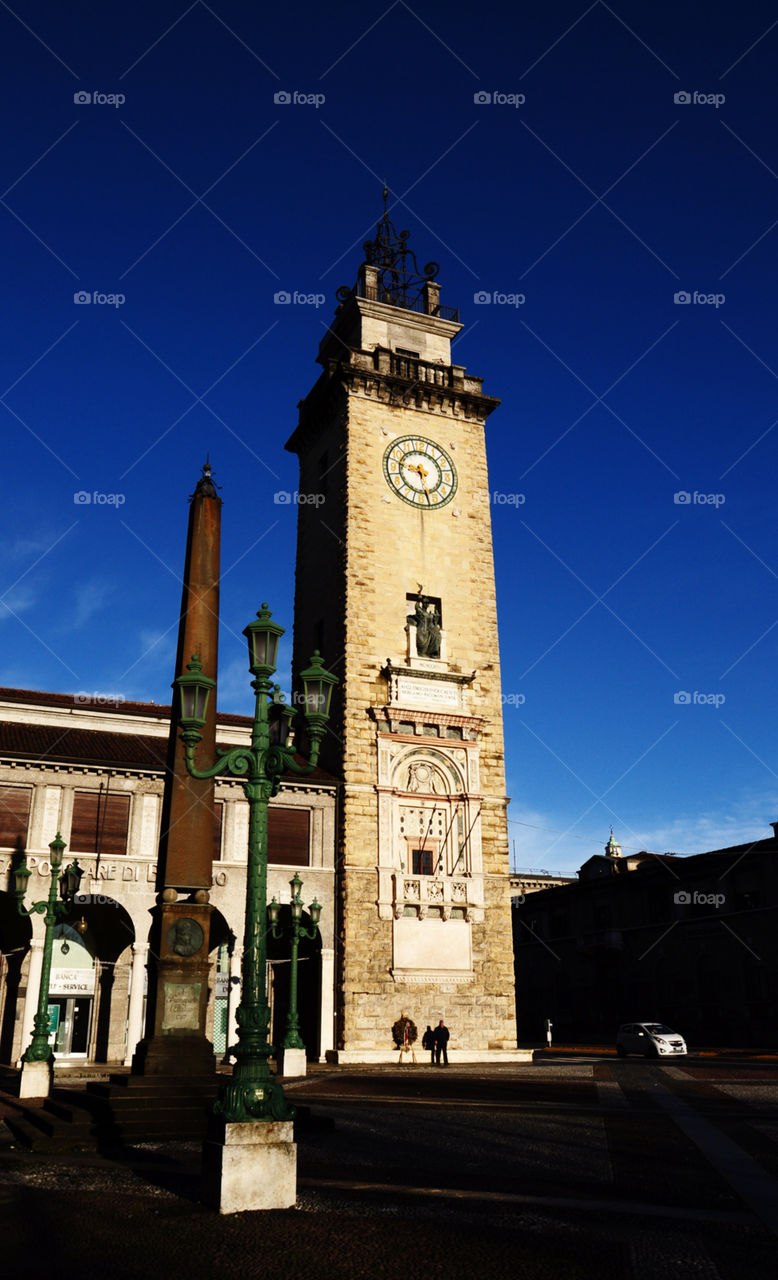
x: 182, y: 1006
x: 427, y: 693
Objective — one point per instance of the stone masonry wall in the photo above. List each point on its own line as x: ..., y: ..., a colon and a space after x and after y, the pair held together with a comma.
x: 390, y: 548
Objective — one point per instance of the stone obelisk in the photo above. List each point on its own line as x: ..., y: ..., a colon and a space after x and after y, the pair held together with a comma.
x: 175, y: 1043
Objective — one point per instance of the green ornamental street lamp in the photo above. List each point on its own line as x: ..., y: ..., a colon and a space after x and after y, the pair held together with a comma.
x: 292, y: 1039
x: 39, y: 1049
x: 253, y: 1093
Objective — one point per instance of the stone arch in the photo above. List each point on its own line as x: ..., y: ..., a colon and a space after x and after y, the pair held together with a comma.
x: 221, y: 933
x: 15, y: 937
x: 105, y: 930
x: 221, y: 945
x: 308, y: 982
x: 426, y: 771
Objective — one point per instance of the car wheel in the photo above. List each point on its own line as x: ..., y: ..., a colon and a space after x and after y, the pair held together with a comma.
x: 652, y: 1052
x: 622, y: 1053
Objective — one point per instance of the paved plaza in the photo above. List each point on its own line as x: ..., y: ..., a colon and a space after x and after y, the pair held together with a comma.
x: 573, y: 1166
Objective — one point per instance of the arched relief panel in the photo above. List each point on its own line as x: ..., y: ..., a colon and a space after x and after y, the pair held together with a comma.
x: 429, y: 831
x: 426, y: 771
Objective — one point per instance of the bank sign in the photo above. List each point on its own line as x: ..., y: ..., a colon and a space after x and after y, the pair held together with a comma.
x: 72, y: 982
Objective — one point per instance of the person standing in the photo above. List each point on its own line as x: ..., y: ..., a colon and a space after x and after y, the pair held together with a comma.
x: 428, y: 1042
x: 441, y: 1035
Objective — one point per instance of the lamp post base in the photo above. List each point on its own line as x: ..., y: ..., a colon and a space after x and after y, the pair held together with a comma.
x: 250, y: 1165
x: 36, y: 1079
x: 292, y: 1062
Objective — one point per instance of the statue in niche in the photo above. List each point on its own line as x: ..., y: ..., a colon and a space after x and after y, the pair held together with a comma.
x: 426, y: 619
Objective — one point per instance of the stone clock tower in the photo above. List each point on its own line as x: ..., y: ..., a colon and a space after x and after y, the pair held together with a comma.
x: 395, y: 585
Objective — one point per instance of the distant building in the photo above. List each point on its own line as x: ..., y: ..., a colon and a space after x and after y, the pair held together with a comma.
x: 531, y: 881
x: 691, y: 941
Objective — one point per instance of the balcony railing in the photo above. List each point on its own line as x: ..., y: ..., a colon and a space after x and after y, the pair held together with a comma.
x: 415, y: 370
x: 418, y: 304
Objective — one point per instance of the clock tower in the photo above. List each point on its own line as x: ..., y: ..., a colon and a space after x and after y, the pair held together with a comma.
x: 395, y: 586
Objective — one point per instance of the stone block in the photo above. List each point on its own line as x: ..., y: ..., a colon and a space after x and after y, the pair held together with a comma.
x: 292, y: 1062
x: 249, y: 1166
x: 36, y: 1079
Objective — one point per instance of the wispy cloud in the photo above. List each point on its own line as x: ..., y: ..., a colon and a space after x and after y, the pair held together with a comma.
x: 87, y: 600
x: 746, y: 817
x: 17, y: 601
x: 540, y: 840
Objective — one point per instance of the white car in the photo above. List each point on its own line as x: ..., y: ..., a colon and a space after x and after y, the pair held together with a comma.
x: 652, y: 1039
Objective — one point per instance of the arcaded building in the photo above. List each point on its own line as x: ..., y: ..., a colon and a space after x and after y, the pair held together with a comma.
x: 96, y: 773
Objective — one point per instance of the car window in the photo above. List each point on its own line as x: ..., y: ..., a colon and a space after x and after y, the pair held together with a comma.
x: 658, y: 1029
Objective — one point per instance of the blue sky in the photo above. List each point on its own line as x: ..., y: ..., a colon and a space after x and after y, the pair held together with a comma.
x: 597, y: 199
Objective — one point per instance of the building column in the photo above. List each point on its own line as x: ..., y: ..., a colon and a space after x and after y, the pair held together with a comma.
x: 233, y: 1000
x: 326, y: 1026
x: 140, y: 952
x: 33, y: 991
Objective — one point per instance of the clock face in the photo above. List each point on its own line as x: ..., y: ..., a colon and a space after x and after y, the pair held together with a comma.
x: 420, y: 472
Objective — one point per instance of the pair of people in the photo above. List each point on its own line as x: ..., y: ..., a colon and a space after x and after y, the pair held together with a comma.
x: 437, y: 1043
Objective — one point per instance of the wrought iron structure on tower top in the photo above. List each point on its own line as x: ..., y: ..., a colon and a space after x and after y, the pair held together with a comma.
x: 391, y: 274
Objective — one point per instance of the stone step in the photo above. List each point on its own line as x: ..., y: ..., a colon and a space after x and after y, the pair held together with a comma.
x: 155, y: 1087
x: 23, y: 1132
x: 63, y: 1108
x: 39, y: 1130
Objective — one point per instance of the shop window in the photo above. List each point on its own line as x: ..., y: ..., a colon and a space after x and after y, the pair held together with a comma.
x: 14, y: 816
x: 100, y: 824
x: 288, y: 836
